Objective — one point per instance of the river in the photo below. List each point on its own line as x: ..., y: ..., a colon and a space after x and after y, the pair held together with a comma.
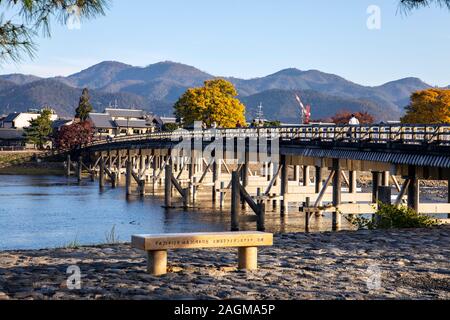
x: 38, y: 212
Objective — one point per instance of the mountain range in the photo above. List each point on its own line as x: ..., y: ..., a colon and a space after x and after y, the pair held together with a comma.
x: 157, y: 87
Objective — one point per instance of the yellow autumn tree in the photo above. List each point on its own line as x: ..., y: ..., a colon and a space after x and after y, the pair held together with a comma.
x: 430, y: 106
x: 215, y: 102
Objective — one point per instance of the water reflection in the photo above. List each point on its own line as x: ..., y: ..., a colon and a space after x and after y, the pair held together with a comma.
x: 47, y: 212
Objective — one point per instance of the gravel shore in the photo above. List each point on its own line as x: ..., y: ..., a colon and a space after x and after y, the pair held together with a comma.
x: 394, y: 264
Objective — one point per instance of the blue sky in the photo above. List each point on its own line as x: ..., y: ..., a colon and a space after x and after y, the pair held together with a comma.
x: 252, y: 38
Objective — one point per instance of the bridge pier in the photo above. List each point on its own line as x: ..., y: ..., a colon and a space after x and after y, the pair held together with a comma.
x: 337, y: 194
x: 69, y: 165
x: 376, y: 183
x: 80, y: 168
x: 448, y: 195
x: 414, y: 189
x: 129, y: 169
x: 168, y: 186
x: 306, y: 176
x: 297, y: 173
x: 101, y: 174
x: 235, y: 201
x: 284, y: 186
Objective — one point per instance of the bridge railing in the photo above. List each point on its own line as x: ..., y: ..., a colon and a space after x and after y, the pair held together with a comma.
x: 396, y: 133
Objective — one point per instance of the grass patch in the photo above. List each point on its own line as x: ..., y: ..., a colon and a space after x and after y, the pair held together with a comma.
x: 392, y: 217
x: 112, y: 237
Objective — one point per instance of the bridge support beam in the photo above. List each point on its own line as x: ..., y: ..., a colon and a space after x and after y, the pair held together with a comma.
x: 448, y: 195
x: 284, y: 186
x: 353, y: 181
x: 168, y: 186
x: 306, y: 176
x: 386, y: 177
x: 385, y: 197
x: 376, y: 183
x: 69, y: 165
x: 215, y: 178
x: 337, y: 192
x: 80, y: 168
x: 129, y: 172
x: 101, y: 174
x: 235, y: 201
x: 319, y: 179
x: 414, y: 189
x: 118, y: 167
x: 297, y: 173
x: 245, y: 167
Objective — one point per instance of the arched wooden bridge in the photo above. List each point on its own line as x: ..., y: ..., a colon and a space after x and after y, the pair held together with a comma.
x: 273, y: 166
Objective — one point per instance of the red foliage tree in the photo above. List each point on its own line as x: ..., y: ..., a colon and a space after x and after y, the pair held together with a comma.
x: 75, y: 136
x: 343, y: 117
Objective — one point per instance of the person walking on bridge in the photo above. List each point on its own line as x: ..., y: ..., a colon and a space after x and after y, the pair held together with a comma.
x: 354, y: 121
x: 352, y: 131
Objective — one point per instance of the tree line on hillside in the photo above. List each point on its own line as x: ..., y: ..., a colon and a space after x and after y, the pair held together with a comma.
x: 215, y: 105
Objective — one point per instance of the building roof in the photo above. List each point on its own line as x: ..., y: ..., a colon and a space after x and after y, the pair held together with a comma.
x: 133, y: 123
x: 61, y: 122
x: 11, y: 134
x: 125, y: 113
x: 102, y: 120
x: 11, y: 117
x: 164, y: 120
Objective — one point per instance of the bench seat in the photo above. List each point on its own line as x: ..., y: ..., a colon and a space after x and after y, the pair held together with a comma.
x: 156, y: 246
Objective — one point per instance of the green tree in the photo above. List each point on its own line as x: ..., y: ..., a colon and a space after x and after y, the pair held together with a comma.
x: 40, y: 129
x: 215, y: 102
x: 409, y: 5
x: 84, y: 106
x: 430, y: 106
x: 17, y: 33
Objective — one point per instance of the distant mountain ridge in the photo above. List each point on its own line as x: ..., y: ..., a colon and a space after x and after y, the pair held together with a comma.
x: 157, y: 86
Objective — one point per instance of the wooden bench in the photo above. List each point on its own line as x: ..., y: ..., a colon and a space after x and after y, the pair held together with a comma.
x: 157, y: 246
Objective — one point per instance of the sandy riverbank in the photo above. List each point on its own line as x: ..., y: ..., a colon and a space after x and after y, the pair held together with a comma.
x: 413, y: 264
x: 23, y: 163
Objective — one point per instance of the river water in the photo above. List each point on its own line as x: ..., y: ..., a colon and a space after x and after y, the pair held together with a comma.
x: 39, y: 212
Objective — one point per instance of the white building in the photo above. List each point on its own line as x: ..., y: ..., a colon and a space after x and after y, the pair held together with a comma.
x: 21, y: 120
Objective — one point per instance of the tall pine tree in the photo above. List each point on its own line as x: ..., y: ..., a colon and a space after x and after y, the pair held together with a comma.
x: 38, y: 133
x: 84, y: 106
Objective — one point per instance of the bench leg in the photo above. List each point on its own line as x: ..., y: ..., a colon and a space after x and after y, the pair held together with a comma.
x: 157, y: 262
x: 248, y: 258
